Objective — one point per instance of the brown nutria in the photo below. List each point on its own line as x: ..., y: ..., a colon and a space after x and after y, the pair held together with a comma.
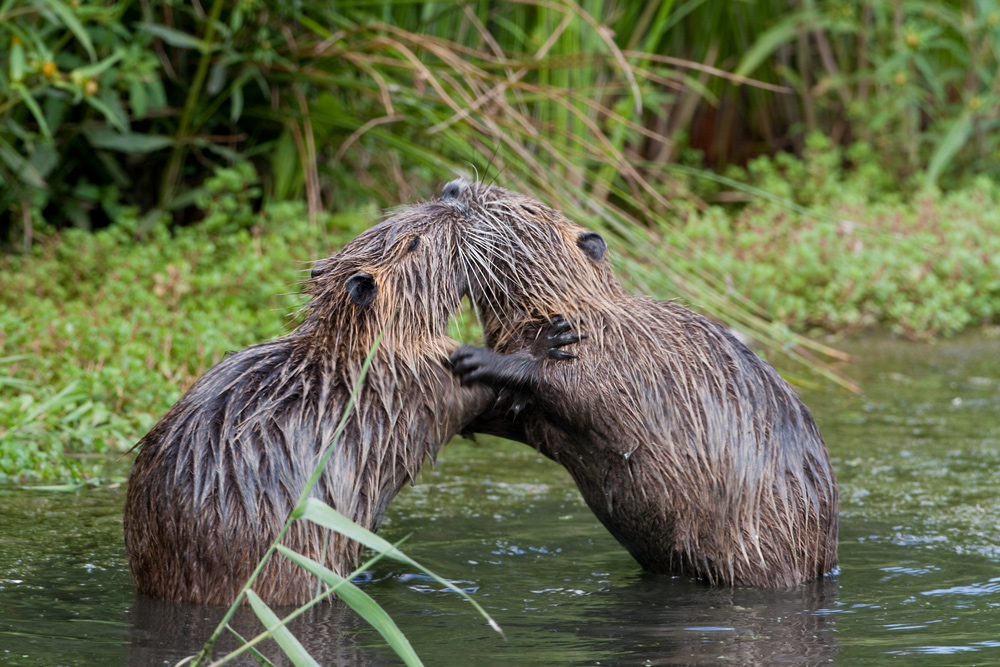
x: 693, y: 452
x: 216, y: 478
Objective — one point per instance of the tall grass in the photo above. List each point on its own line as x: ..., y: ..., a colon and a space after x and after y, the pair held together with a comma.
x: 343, y: 103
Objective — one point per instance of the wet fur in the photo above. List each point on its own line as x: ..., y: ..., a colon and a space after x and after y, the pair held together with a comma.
x: 694, y: 453
x: 216, y: 478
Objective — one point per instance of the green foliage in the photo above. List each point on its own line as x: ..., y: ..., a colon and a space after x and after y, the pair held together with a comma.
x: 101, y: 332
x: 922, y: 266
x: 915, y: 80
x: 138, y: 103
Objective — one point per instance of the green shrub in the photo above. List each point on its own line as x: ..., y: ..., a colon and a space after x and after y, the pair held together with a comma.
x: 921, y: 266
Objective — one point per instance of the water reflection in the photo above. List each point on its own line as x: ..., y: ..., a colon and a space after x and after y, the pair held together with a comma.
x: 657, y: 620
x: 166, y: 632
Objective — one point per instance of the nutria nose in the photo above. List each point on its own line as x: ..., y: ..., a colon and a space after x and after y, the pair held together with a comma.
x: 454, y: 189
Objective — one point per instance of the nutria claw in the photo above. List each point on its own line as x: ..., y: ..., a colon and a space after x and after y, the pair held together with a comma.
x: 558, y: 333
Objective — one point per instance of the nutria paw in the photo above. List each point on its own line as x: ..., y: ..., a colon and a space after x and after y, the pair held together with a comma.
x: 472, y: 364
x: 555, y: 335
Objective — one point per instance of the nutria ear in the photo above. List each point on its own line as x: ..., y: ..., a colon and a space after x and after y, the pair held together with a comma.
x: 592, y: 244
x: 453, y: 190
x: 362, y: 289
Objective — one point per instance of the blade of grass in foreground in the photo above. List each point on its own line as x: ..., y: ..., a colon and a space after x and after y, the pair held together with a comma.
x: 324, y: 515
x: 362, y: 603
x: 286, y: 640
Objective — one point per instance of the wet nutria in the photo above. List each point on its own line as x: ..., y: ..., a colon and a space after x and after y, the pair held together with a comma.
x: 216, y: 478
x: 694, y: 453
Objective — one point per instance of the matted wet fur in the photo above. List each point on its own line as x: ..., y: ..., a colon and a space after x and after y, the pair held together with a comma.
x: 694, y: 453
x: 216, y: 478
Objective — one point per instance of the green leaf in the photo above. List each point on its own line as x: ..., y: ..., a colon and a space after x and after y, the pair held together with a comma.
x: 360, y: 602
x: 69, y: 19
x: 950, y: 144
x: 17, y: 62
x: 127, y: 142
x: 216, y: 78
x: 106, y: 111
x: 320, y: 30
x: 286, y: 640
x: 36, y: 110
x: 138, y: 99
x: 768, y: 43
x: 91, y: 71
x: 320, y: 513
x: 219, y: 149
x: 252, y: 650
x: 20, y: 166
x: 181, y: 40
x: 236, y: 104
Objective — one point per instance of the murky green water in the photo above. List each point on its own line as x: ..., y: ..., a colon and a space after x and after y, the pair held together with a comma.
x: 918, y: 459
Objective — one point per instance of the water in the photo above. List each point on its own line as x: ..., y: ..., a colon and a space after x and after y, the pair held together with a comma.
x: 918, y: 460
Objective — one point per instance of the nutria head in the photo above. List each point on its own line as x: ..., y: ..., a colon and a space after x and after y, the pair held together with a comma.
x: 402, y: 275
x: 522, y: 258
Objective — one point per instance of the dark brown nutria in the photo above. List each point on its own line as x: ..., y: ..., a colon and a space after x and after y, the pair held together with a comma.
x: 694, y: 453
x: 216, y: 478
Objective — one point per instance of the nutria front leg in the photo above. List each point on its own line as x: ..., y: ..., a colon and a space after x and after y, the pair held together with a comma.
x: 518, y: 370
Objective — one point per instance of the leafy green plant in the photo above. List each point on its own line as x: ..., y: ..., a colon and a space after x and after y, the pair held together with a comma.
x: 915, y: 80
x: 101, y: 332
x: 922, y: 266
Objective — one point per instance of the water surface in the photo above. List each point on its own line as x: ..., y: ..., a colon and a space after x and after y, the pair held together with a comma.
x: 917, y: 458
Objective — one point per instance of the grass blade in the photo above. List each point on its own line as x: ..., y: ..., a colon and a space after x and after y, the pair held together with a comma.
x: 286, y: 640
x: 360, y: 602
x: 322, y: 514
x: 950, y: 144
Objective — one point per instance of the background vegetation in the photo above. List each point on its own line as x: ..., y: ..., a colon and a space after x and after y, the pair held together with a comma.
x: 167, y: 168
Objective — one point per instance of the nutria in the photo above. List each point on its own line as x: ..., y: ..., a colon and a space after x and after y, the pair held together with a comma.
x: 216, y: 478
x: 692, y: 451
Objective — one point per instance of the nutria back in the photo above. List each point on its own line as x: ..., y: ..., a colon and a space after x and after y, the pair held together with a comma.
x: 693, y: 452
x: 217, y: 477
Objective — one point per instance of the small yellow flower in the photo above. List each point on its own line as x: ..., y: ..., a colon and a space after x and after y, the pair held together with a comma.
x: 975, y: 103
x: 90, y: 87
x: 912, y: 39
x: 900, y: 78
x: 49, y: 69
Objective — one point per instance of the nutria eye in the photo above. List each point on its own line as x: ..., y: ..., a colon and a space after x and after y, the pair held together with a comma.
x: 413, y: 244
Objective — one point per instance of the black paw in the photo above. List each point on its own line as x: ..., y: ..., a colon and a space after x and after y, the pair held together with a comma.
x: 467, y: 362
x: 557, y: 334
